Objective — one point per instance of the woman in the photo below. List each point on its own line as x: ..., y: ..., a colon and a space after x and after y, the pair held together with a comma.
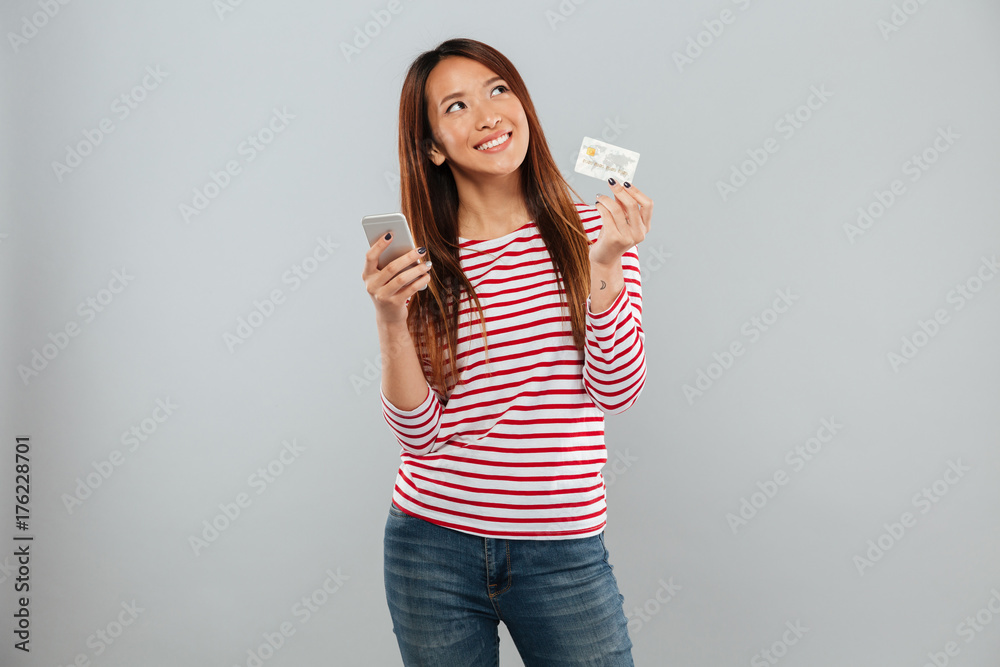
x: 519, y: 328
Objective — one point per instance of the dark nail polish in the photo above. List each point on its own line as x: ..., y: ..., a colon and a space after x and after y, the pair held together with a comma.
x: 611, y: 181
x: 421, y: 251
x: 388, y: 236
x: 627, y: 184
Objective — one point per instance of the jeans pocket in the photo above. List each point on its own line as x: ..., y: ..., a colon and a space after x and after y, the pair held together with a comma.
x: 395, y: 511
x: 605, y: 548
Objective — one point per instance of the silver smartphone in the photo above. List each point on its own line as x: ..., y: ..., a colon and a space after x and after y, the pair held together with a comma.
x: 377, y: 226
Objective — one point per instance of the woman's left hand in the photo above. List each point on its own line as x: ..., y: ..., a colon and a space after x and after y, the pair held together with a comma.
x: 625, y: 222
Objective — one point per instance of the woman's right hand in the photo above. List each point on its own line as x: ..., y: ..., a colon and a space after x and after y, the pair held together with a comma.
x: 389, y: 291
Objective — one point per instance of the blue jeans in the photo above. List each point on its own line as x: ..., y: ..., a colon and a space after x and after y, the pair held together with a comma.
x: 448, y: 591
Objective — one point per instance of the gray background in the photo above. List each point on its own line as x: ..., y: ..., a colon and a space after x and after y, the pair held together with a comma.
x: 308, y: 374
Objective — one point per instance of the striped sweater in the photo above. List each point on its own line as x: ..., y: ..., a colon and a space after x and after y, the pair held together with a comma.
x: 516, y: 451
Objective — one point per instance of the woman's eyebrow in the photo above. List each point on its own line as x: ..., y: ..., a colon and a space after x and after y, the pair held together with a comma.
x: 461, y: 93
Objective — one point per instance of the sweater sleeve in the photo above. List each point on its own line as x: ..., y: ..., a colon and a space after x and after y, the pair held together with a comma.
x: 614, y: 368
x: 416, y: 429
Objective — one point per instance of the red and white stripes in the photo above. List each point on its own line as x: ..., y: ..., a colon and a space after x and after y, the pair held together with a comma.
x: 517, y: 449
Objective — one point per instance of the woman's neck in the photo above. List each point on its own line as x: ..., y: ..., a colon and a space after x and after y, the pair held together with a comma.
x: 489, y: 211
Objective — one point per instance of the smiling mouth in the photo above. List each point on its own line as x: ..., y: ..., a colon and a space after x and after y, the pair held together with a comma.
x: 496, y: 142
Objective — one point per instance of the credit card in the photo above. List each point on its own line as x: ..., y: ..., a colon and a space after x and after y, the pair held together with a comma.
x: 603, y: 160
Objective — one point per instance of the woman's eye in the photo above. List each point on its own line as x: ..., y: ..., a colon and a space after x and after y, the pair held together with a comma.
x: 505, y: 89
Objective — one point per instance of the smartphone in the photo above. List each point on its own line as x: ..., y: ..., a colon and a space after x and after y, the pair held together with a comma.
x: 377, y: 226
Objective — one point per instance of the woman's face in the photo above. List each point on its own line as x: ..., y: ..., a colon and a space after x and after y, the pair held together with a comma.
x: 468, y: 103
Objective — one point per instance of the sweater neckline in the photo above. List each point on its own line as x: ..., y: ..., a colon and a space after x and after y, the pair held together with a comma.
x: 464, y: 242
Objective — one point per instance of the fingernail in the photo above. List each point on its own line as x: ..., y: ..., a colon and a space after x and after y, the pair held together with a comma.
x: 421, y: 251
x: 611, y: 181
x: 388, y: 236
x: 627, y: 184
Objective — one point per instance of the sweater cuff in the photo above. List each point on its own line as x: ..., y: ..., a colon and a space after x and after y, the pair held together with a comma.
x: 406, y: 415
x: 610, y: 314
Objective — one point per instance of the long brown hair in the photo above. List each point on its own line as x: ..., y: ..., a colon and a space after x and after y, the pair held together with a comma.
x: 429, y: 200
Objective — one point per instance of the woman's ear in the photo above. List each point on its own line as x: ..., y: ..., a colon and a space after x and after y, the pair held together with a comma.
x: 432, y: 152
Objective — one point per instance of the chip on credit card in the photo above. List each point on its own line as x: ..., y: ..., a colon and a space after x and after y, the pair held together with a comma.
x: 603, y: 160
